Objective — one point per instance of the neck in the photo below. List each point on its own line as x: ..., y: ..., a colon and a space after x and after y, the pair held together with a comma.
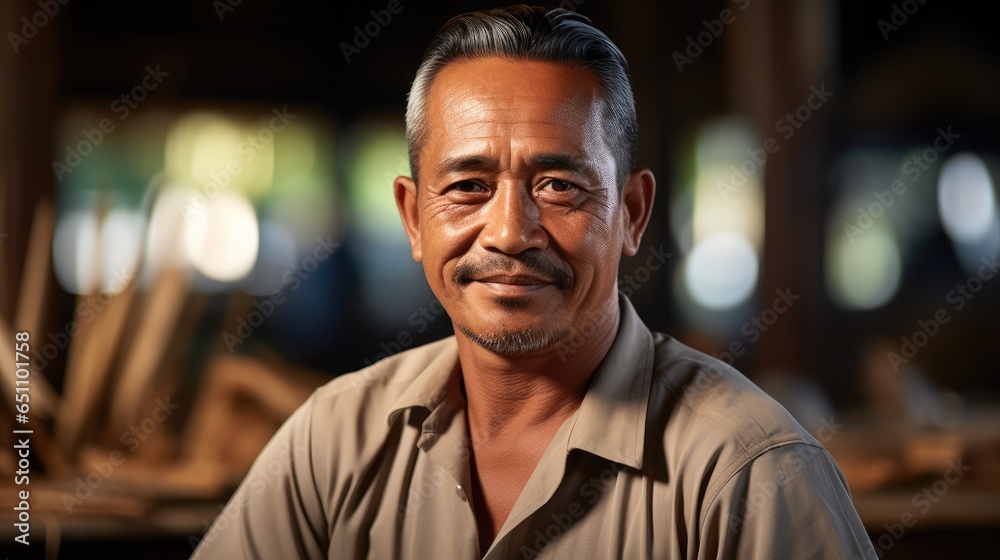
x: 518, y: 395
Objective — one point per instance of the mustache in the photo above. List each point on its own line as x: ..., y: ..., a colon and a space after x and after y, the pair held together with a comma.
x: 535, y: 261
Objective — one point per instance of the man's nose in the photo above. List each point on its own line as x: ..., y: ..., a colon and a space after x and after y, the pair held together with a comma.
x: 513, y: 221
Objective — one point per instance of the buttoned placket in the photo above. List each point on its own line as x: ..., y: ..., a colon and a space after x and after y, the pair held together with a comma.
x: 449, y: 450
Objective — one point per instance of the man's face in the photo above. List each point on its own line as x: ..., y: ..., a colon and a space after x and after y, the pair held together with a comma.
x: 517, y: 218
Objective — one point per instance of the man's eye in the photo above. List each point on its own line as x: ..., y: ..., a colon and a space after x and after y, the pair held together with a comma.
x: 558, y: 185
x: 468, y: 187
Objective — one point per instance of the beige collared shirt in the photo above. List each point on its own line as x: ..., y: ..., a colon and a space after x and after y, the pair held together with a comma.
x: 671, y: 454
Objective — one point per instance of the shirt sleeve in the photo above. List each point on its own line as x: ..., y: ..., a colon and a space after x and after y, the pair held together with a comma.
x: 790, y: 502
x: 276, y: 512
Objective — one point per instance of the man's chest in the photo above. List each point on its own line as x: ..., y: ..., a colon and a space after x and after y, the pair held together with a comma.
x: 579, y: 506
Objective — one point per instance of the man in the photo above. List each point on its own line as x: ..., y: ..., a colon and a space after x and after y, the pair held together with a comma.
x: 553, y: 424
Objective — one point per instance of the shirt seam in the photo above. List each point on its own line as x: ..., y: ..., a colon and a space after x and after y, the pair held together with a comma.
x: 747, y: 451
x: 712, y: 497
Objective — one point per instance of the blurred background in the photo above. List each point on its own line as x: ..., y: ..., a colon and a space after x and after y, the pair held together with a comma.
x: 197, y: 229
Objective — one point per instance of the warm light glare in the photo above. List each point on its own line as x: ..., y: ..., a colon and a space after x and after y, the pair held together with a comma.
x: 163, y: 239
x: 122, y: 234
x: 214, y: 154
x: 222, y: 240
x: 739, y: 211
x: 728, y: 181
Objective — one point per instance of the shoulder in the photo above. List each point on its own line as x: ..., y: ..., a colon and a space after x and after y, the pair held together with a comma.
x: 713, y: 419
x: 711, y: 393
x: 355, y: 407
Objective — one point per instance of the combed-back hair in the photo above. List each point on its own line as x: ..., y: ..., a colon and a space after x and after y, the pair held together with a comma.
x: 531, y: 33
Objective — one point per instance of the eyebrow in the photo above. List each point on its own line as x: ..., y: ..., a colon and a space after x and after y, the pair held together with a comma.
x: 564, y: 161
x: 458, y: 164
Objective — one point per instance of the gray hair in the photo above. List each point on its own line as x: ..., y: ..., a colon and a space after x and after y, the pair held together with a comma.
x: 531, y: 33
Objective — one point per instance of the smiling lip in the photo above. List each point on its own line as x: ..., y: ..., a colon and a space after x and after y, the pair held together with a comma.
x: 516, y: 284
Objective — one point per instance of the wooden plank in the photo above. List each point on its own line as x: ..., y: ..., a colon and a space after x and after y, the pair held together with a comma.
x: 160, y: 314
x: 88, y: 372
x: 31, y: 301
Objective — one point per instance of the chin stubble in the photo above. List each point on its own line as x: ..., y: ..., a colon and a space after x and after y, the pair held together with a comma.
x: 514, y: 343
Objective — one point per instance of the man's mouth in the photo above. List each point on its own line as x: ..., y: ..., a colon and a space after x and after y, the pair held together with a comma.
x: 514, y: 284
x: 515, y: 273
x: 516, y: 279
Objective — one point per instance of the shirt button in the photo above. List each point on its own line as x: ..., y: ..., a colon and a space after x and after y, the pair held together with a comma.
x: 460, y: 492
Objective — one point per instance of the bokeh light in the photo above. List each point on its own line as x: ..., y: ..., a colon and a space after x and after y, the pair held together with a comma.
x: 725, y: 230
x: 965, y: 198
x: 222, y: 240
x: 75, y: 251
x: 721, y: 271
x: 863, y: 273
x: 122, y: 235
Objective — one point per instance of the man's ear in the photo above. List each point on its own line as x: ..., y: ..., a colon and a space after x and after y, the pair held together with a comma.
x: 406, y: 201
x: 637, y: 205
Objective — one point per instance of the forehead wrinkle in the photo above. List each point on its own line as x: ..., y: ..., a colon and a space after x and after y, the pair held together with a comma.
x: 512, y: 114
x: 568, y: 120
x: 495, y: 130
x: 460, y: 96
x: 453, y: 84
x: 466, y: 108
x: 525, y: 148
x: 464, y: 92
x: 459, y: 101
x: 569, y: 138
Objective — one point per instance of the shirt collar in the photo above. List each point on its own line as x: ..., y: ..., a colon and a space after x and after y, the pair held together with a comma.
x: 611, y: 419
x: 438, y: 379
